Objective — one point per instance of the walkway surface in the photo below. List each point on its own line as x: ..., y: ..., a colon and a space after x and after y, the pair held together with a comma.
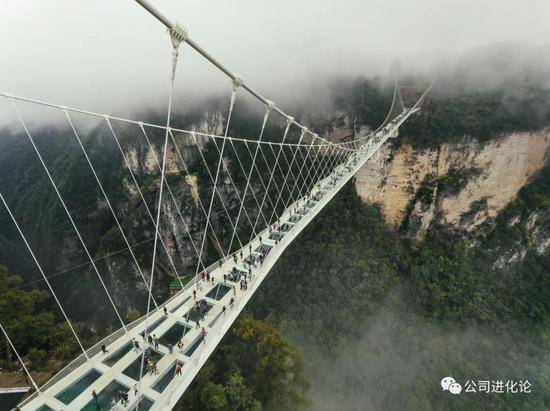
x: 119, y: 369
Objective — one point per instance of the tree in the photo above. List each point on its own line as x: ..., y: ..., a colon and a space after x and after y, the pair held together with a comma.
x: 21, y: 315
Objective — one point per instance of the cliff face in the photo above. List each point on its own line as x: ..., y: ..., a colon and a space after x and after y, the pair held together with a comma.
x: 461, y: 186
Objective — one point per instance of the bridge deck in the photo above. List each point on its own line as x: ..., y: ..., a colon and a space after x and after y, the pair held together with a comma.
x: 119, y: 368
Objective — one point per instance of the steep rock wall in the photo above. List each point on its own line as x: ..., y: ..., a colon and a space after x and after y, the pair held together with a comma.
x: 486, y: 177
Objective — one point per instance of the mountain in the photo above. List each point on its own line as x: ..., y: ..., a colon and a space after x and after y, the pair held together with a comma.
x: 432, y: 262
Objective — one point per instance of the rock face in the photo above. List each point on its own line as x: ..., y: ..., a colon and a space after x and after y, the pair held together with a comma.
x: 460, y: 185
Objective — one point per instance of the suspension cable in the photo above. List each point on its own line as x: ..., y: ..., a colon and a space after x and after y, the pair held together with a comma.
x: 20, y: 359
x: 128, y: 166
x: 236, y: 85
x: 269, y: 107
x: 176, y: 37
x: 43, y: 274
x: 117, y: 222
x: 60, y: 197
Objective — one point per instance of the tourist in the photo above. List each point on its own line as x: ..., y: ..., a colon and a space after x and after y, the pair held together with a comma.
x: 136, y: 344
x: 203, y: 334
x: 224, y: 278
x: 178, y: 368
x: 231, y: 301
x: 223, y: 310
x: 123, y: 397
x: 170, y: 348
x: 150, y: 339
x: 197, y: 324
x: 94, y: 395
x: 165, y: 310
x: 104, y: 349
x: 194, y: 294
x: 155, y: 369
x: 180, y: 346
x: 155, y: 341
x: 135, y: 389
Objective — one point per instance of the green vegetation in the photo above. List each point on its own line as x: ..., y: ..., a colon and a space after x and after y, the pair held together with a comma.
x: 377, y: 318
x: 480, y: 115
x: 32, y: 327
x: 356, y: 294
x: 254, y: 368
x: 447, y: 117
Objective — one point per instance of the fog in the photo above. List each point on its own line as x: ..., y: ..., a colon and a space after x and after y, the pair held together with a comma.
x: 113, y: 57
x: 399, y: 358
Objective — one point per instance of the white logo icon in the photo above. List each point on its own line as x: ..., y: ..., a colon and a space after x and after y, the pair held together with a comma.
x: 455, y: 388
x: 449, y: 384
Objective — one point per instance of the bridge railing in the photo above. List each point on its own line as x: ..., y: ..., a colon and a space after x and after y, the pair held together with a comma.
x: 109, y: 339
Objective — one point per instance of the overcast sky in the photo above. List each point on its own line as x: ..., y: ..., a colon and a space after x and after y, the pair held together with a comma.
x: 106, y: 55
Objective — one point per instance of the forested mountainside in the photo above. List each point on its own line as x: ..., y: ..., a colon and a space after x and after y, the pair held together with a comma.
x: 433, y: 262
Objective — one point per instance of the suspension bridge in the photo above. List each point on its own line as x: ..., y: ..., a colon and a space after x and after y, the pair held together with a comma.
x: 277, y: 200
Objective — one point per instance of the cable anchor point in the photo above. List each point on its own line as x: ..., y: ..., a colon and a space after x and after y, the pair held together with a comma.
x: 177, y: 35
x: 237, y: 82
x: 289, y: 120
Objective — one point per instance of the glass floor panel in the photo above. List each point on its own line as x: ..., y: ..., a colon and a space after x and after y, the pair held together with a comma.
x: 235, y: 273
x: 218, y: 292
x: 295, y: 218
x: 153, y: 326
x: 174, y: 334
x: 175, y: 309
x: 118, y: 354
x: 132, y: 370
x: 215, y: 319
x: 252, y: 259
x: 194, y: 313
x: 74, y: 390
x: 145, y: 404
x: 276, y: 236
x: 44, y: 408
x: 263, y: 249
x: 167, y: 378
x: 105, y: 396
x: 193, y: 347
